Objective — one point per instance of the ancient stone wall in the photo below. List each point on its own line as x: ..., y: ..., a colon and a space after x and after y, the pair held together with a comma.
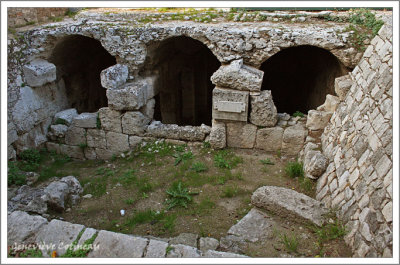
x: 21, y: 16
x: 358, y: 144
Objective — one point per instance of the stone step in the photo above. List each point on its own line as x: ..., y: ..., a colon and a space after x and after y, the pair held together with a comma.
x: 290, y: 203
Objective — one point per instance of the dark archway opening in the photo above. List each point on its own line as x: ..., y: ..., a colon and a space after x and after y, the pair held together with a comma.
x: 79, y: 61
x: 183, y: 68
x: 300, y: 77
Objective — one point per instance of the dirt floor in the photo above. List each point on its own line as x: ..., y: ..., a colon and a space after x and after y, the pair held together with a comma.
x: 220, y: 184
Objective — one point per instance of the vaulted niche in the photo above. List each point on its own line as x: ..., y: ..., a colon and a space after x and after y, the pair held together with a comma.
x: 183, y: 67
x: 301, y: 77
x: 79, y: 61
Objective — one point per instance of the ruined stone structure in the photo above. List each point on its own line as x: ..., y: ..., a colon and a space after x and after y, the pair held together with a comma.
x: 99, y: 86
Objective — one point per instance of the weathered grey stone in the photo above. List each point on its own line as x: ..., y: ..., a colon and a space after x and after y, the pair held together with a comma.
x: 191, y: 133
x: 208, y: 243
x: 117, y: 141
x: 66, y: 115
x: 110, y: 119
x: 29, y: 200
x: 87, y: 234
x: 96, y: 138
x: 115, y: 245
x: 31, y: 177
x: 218, y: 254
x: 75, y: 136
x: 218, y: 135
x: 22, y: 227
x: 330, y: 104
x: 74, y: 189
x: 85, y: 120
x: 315, y: 164
x: 188, y: 239
x: 232, y: 243
x: 342, y: 86
x: 205, y: 128
x: 156, y: 249
x: 104, y: 154
x: 253, y: 227
x: 134, y: 123
x: 132, y: 96
x: 317, y: 120
x: 72, y: 151
x: 293, y: 139
x: 269, y: 139
x: 230, y: 104
x: 238, y: 76
x: 56, y: 235
x: 183, y: 251
x: 56, y: 193
x: 289, y: 203
x: 134, y: 141
x: 57, y: 131
x: 39, y: 72
x: 114, y: 76
x: 148, y: 109
x: 240, y: 134
x: 263, y: 110
x: 387, y: 212
x: 11, y: 153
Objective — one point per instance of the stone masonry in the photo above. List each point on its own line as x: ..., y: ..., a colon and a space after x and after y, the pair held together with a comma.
x: 358, y: 143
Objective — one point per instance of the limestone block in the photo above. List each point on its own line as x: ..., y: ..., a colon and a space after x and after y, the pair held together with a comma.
x: 188, y: 239
x: 230, y: 104
x: 148, y: 109
x: 110, y: 119
x: 117, y: 141
x: 134, y: 123
x: 75, y: 136
x: 238, y: 76
x: 315, y: 164
x: 96, y: 138
x: 342, y: 86
x: 22, y: 227
x: 56, y: 194
x: 219, y: 254
x: 85, y: 120
x: 330, y: 104
x: 218, y: 135
x: 104, y: 154
x: 32, y: 139
x: 183, y: 251
x: 90, y: 153
x: 293, y: 139
x: 134, y: 141
x: 57, y: 131
x: 387, y: 212
x: 156, y: 249
x: 208, y: 243
x: 263, y: 110
x: 87, y: 234
x: 115, y: 245
x: 240, y: 134
x: 66, y: 115
x: 191, y: 133
x: 114, y: 76
x: 318, y: 120
x: 290, y: 203
x: 56, y: 235
x: 269, y: 139
x: 11, y: 153
x: 131, y: 96
x: 72, y: 151
x: 12, y: 135
x: 39, y: 72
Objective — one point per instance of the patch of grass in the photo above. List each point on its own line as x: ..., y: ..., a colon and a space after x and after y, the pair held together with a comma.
x: 226, y: 159
x: 145, y: 216
x: 31, y: 253
x: 29, y: 160
x: 60, y: 121
x: 130, y: 201
x: 290, y: 242
x: 57, y: 19
x: 199, y: 167
x: 169, y: 249
x: 279, y: 153
x: 128, y: 177
x: 298, y: 114
x: 178, y: 196
x: 330, y: 231
x: 294, y: 169
x: 144, y: 185
x: 230, y: 191
x: 168, y: 223
x: 267, y: 161
x: 70, y: 14
x: 15, y: 177
x: 183, y: 157
x: 306, y: 184
x: 82, y: 251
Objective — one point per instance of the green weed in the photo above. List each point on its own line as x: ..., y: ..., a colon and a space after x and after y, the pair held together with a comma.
x: 298, y: 114
x: 31, y: 253
x: 199, y: 167
x: 267, y: 161
x: 130, y: 201
x: 183, y: 157
x: 230, y: 192
x: 226, y: 159
x: 294, y: 169
x: 290, y: 242
x: 178, y: 196
x: 60, y: 121
x: 15, y: 177
x: 98, y: 121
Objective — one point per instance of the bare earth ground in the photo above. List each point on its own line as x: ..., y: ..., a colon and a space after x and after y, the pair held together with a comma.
x: 138, y: 183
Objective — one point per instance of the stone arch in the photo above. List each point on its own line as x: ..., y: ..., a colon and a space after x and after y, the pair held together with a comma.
x: 182, y: 67
x: 300, y: 77
x: 79, y: 61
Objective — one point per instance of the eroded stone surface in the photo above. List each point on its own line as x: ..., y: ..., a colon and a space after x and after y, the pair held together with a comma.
x: 39, y: 72
x: 293, y: 139
x: 114, y: 76
x: 230, y: 104
x: 22, y: 227
x: 156, y: 249
x: 239, y: 134
x: 263, y: 110
x: 269, y: 139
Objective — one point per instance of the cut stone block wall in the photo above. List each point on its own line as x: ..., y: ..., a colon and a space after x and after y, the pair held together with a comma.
x: 20, y: 16
x: 358, y: 143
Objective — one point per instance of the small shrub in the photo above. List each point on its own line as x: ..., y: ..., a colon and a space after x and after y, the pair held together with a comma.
x: 29, y: 160
x: 199, y: 167
x: 330, y: 231
x: 267, y: 161
x: 60, y: 121
x: 294, y: 169
x: 14, y: 175
x: 290, y: 242
x: 298, y: 114
x: 83, y: 146
x: 178, y: 196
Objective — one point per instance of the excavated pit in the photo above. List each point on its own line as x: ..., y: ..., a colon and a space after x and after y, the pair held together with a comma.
x: 300, y: 77
x: 79, y: 61
x: 183, y: 67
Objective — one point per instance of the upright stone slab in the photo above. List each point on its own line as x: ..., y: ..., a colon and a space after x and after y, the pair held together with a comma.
x: 39, y: 72
x: 269, y: 139
x: 218, y: 135
x: 114, y: 245
x: 238, y: 76
x: 240, y: 134
x: 290, y: 203
x: 342, y: 86
x: 230, y: 104
x: 293, y: 139
x: 56, y: 235
x: 317, y: 120
x: 263, y: 110
x: 110, y: 120
x: 131, y: 96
